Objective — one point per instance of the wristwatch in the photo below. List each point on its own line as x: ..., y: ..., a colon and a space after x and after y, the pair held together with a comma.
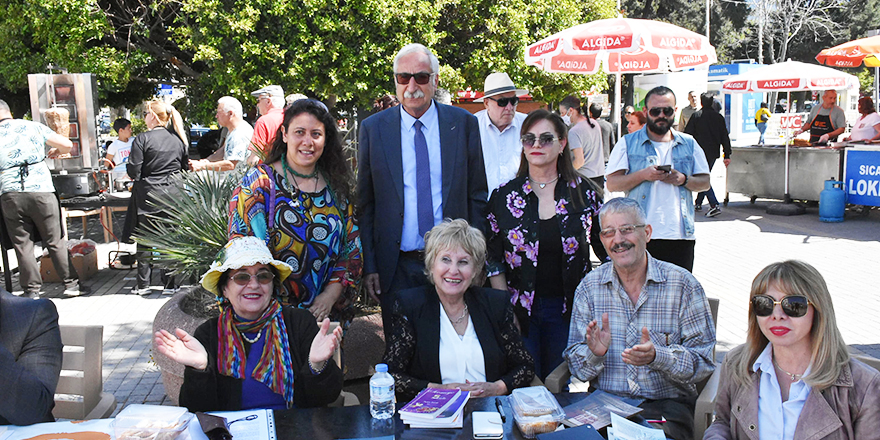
x: 685, y: 180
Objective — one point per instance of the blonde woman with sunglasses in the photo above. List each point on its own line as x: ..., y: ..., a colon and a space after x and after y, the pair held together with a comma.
x: 794, y: 378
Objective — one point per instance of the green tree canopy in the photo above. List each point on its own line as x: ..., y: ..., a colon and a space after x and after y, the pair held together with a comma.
x: 323, y: 48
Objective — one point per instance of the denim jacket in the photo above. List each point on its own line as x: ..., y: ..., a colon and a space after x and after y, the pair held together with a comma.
x: 639, y: 152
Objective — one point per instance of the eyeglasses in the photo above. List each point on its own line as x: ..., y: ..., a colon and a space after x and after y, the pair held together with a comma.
x: 545, y: 140
x: 624, y: 230
x: 668, y: 111
x: 421, y: 77
x: 503, y: 102
x: 244, y: 278
x: 794, y: 306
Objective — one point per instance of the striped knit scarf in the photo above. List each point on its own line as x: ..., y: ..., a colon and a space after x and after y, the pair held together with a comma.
x: 275, y: 366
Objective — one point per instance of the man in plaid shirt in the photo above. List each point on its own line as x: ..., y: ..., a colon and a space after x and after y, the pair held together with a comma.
x: 641, y: 327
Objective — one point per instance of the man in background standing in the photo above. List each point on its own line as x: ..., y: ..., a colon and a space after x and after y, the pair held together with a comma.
x: 688, y: 111
x: 826, y: 121
x: 584, y: 140
x: 28, y: 198
x: 238, y: 138
x: 608, y: 134
x: 499, y: 129
x: 707, y: 126
x: 270, y: 104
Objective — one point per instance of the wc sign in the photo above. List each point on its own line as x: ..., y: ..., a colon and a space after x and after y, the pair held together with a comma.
x: 788, y: 122
x: 863, y: 177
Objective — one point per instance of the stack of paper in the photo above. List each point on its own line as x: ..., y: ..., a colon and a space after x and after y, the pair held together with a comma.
x: 435, y: 408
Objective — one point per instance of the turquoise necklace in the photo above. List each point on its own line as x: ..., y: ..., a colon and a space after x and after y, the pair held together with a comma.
x: 301, y: 176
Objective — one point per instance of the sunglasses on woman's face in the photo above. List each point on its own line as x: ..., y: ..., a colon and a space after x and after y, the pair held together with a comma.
x: 545, y: 140
x: 244, y: 278
x: 794, y: 306
x: 421, y: 77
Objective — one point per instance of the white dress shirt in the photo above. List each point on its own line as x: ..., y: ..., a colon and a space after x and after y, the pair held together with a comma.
x: 461, y: 356
x: 777, y: 420
x: 501, y: 149
x: 411, y: 240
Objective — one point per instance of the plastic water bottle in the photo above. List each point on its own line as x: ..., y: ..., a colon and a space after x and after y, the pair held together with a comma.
x: 382, y: 393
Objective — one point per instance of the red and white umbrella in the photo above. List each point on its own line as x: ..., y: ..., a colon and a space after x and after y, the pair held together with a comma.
x: 621, y: 45
x: 853, y: 53
x: 790, y: 76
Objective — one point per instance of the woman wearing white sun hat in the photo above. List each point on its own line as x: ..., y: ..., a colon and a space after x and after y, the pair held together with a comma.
x: 257, y: 353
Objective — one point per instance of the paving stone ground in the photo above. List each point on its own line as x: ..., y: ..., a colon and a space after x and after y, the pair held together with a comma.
x: 731, y: 249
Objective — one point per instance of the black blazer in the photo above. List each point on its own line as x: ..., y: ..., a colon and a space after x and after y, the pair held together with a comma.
x: 413, y: 353
x: 380, y: 182
x: 208, y: 390
x: 30, y: 359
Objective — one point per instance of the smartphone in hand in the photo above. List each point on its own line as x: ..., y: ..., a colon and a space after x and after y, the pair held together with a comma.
x: 664, y: 168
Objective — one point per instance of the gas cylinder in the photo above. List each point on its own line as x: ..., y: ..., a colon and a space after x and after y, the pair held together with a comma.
x: 832, y: 201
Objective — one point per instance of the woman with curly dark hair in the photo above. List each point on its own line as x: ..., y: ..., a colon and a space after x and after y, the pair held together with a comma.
x: 298, y: 201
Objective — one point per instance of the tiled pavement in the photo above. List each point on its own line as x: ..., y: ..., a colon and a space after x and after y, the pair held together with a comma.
x: 731, y: 249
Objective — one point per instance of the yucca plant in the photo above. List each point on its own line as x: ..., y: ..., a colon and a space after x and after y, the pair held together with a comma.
x: 194, y: 226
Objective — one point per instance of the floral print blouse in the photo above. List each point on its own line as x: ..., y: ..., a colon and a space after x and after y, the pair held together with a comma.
x: 513, y: 237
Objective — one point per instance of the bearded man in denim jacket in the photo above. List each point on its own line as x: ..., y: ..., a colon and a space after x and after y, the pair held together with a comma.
x: 660, y: 168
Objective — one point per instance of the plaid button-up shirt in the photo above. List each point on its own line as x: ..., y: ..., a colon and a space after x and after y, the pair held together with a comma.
x: 672, y: 305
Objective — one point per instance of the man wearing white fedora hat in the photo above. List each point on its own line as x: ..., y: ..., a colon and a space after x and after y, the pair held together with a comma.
x: 499, y: 128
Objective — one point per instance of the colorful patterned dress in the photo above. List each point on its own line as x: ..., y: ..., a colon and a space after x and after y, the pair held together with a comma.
x: 315, y: 233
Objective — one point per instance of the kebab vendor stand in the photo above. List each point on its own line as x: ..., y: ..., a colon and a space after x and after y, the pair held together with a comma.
x: 756, y: 170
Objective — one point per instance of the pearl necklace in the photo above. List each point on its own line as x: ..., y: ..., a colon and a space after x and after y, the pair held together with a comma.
x: 794, y: 377
x: 543, y: 184
x: 252, y: 341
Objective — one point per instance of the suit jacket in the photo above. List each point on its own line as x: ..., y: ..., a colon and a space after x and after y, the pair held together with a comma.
x: 380, y: 182
x: 208, y: 390
x: 849, y: 409
x: 413, y: 354
x: 30, y: 359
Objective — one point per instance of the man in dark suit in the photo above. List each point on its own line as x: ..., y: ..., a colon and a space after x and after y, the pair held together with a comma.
x: 418, y: 163
x: 30, y: 359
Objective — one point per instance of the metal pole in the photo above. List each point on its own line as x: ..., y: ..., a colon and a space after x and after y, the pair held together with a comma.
x: 617, y: 98
x: 708, y: 2
x: 876, y: 83
x: 760, y: 31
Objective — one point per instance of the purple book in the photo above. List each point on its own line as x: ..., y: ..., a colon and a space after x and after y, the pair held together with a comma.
x: 429, y: 403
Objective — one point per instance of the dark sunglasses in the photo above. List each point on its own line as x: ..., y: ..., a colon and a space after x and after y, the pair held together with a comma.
x: 503, y: 102
x: 244, y: 278
x: 421, y: 77
x: 544, y: 140
x: 668, y: 111
x: 794, y: 306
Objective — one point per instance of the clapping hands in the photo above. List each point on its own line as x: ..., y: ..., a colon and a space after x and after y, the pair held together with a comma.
x: 641, y: 354
x: 599, y: 338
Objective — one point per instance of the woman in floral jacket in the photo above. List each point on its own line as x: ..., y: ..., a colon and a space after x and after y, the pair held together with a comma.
x: 540, y: 236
